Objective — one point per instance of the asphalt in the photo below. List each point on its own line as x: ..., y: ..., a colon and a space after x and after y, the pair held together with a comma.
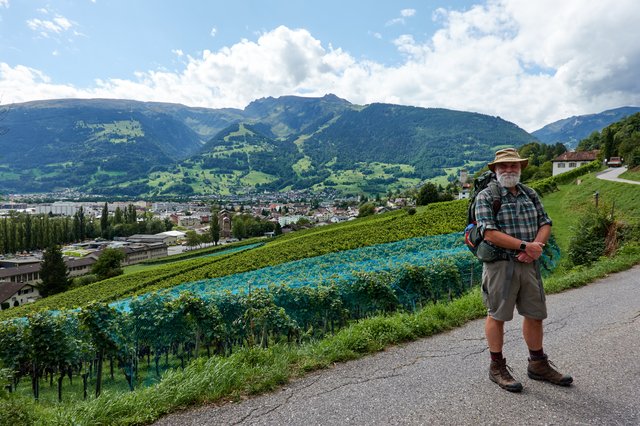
x: 592, y: 333
x: 612, y: 174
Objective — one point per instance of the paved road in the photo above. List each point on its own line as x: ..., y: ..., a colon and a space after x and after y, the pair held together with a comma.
x: 593, y: 333
x: 612, y: 174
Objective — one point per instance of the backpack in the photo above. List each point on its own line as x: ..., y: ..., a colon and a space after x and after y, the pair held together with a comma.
x: 472, y: 236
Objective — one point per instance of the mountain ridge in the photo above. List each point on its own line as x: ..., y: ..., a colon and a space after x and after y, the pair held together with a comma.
x: 571, y: 130
x: 119, y: 146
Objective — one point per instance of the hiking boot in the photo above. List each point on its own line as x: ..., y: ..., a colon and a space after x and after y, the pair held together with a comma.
x: 543, y: 369
x: 499, y: 372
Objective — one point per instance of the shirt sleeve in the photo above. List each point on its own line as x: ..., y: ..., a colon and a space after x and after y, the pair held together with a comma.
x: 485, y: 218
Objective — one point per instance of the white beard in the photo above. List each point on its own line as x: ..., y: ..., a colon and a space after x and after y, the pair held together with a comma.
x: 508, y: 180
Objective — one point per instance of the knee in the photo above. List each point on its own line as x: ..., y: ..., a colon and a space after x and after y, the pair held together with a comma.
x: 492, y: 322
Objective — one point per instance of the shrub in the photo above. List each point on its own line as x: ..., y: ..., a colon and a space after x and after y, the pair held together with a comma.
x: 590, y: 235
x: 16, y: 411
x: 84, y: 280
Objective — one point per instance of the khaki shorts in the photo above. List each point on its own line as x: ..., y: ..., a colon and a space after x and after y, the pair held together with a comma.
x: 524, y: 290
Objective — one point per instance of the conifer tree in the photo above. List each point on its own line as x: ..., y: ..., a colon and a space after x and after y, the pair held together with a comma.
x: 215, y: 228
x: 104, y: 222
x: 53, y: 272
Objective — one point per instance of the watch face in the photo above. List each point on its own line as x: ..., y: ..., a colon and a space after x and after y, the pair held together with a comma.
x: 523, y: 246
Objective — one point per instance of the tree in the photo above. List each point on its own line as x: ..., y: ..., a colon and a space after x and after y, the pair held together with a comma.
x: 239, y: 228
x: 108, y: 264
x: 53, y: 272
x: 303, y: 221
x: 427, y: 194
x: 609, y: 149
x: 215, y: 228
x: 117, y: 216
x: 367, y: 209
x: 79, y: 225
x: 104, y: 222
x: 101, y: 322
x: 192, y: 239
x: 130, y: 214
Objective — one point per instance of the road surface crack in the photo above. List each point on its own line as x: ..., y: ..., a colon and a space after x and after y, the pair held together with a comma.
x: 358, y: 381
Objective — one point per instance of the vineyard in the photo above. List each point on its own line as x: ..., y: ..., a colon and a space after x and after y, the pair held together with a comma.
x: 441, y: 218
x: 290, y: 302
x: 293, y: 289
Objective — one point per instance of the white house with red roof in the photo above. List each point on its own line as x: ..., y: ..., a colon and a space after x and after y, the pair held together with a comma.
x: 572, y: 159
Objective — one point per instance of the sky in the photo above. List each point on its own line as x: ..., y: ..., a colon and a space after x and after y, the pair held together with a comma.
x: 528, y: 62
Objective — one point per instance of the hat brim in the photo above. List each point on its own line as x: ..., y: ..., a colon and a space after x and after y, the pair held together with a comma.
x: 523, y: 163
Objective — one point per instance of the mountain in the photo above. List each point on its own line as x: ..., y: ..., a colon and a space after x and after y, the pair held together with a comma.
x: 98, y: 143
x: 290, y: 115
x: 121, y: 147
x: 570, y: 131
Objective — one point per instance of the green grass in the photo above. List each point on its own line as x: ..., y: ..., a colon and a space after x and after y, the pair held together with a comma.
x: 571, y: 201
x: 631, y: 174
x: 302, y: 165
x: 254, y: 177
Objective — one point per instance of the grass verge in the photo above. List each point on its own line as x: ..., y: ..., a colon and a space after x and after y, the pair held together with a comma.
x: 253, y: 371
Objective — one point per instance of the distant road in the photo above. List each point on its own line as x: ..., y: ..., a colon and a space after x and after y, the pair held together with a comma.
x: 612, y: 174
x: 592, y: 333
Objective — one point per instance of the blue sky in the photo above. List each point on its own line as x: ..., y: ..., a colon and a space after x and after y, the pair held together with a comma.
x: 530, y: 62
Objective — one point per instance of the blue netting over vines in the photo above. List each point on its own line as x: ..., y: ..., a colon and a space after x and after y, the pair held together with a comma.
x: 432, y: 254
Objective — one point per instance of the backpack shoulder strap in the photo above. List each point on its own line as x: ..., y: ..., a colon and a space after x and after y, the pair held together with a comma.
x: 531, y: 193
x: 496, y: 196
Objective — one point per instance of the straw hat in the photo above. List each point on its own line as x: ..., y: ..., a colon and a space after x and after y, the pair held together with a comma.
x: 508, y: 155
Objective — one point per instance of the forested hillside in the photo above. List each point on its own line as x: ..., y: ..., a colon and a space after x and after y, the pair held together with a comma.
x: 119, y: 147
x: 570, y: 131
x: 620, y: 139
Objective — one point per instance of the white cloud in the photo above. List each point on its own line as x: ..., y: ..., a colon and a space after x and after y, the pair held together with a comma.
x: 404, y: 13
x: 46, y: 28
x: 4, y: 3
x: 394, y: 21
x: 178, y: 52
x: 213, y: 32
x: 407, y: 12
x: 528, y: 62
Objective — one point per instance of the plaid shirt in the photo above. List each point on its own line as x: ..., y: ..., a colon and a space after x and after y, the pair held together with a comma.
x: 519, y: 215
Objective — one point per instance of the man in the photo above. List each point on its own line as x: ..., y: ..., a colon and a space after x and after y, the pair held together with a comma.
x: 521, y: 228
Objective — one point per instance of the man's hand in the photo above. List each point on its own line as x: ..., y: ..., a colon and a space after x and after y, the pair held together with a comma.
x: 533, y: 250
x: 524, y: 258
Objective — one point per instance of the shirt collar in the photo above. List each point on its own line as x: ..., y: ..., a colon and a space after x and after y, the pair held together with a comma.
x: 504, y: 190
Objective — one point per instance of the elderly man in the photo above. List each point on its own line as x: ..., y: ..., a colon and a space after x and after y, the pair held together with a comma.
x: 521, y: 228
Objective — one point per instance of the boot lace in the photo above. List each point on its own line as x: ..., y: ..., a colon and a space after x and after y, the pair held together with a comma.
x: 505, y: 371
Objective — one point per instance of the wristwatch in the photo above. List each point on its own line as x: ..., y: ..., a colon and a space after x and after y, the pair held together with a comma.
x: 523, y: 245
